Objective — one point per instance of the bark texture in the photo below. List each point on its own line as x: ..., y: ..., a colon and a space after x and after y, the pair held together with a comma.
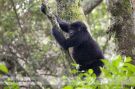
x: 90, y: 5
x: 70, y: 10
x: 122, y: 25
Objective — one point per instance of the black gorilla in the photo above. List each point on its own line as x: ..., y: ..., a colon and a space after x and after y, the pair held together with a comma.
x: 86, y: 51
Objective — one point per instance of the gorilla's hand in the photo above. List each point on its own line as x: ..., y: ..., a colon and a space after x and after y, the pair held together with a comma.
x: 43, y: 8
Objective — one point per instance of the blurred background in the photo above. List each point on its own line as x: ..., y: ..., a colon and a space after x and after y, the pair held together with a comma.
x: 26, y: 44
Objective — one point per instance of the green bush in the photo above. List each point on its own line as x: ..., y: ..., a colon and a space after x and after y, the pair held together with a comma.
x: 117, y: 73
x: 7, y: 83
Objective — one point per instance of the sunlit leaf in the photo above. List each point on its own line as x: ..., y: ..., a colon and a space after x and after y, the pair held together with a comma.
x: 3, y: 68
x: 68, y: 87
x: 130, y: 67
x: 90, y: 71
x: 128, y: 59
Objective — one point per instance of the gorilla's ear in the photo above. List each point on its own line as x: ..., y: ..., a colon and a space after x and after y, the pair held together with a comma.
x: 63, y: 24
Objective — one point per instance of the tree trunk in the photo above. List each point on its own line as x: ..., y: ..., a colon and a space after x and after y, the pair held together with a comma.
x: 133, y: 16
x: 122, y: 25
x: 70, y: 10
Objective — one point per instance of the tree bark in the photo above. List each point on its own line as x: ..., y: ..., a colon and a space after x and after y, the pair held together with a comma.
x: 70, y: 10
x: 90, y: 5
x: 122, y: 25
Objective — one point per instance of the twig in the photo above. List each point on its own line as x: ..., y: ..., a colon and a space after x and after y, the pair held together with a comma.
x: 18, y: 19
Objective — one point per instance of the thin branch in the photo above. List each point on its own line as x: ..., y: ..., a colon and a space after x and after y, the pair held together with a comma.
x: 18, y: 19
x: 19, y: 23
x: 89, y: 6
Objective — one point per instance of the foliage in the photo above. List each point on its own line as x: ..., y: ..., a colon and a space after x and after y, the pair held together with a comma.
x: 7, y: 83
x: 3, y: 68
x: 117, y: 73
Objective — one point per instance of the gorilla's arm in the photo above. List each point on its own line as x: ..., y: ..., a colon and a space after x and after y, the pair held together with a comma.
x: 66, y: 43
x: 63, y: 24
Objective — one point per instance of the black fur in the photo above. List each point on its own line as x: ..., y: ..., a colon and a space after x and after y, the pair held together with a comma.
x: 86, y: 51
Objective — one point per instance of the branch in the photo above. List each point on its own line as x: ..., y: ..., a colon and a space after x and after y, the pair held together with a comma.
x: 18, y: 19
x: 54, y: 22
x: 89, y: 6
x: 21, y: 33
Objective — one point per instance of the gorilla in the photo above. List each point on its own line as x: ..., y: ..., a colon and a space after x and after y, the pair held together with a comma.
x: 86, y: 51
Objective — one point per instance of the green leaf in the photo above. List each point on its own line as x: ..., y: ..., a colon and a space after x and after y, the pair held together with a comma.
x: 117, y: 61
x: 3, y: 68
x: 130, y: 67
x: 68, y: 87
x: 105, y: 72
x: 75, y: 65
x: 74, y: 71
x: 11, y: 85
x: 128, y: 59
x: 90, y: 71
x: 106, y: 62
x: 119, y: 57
